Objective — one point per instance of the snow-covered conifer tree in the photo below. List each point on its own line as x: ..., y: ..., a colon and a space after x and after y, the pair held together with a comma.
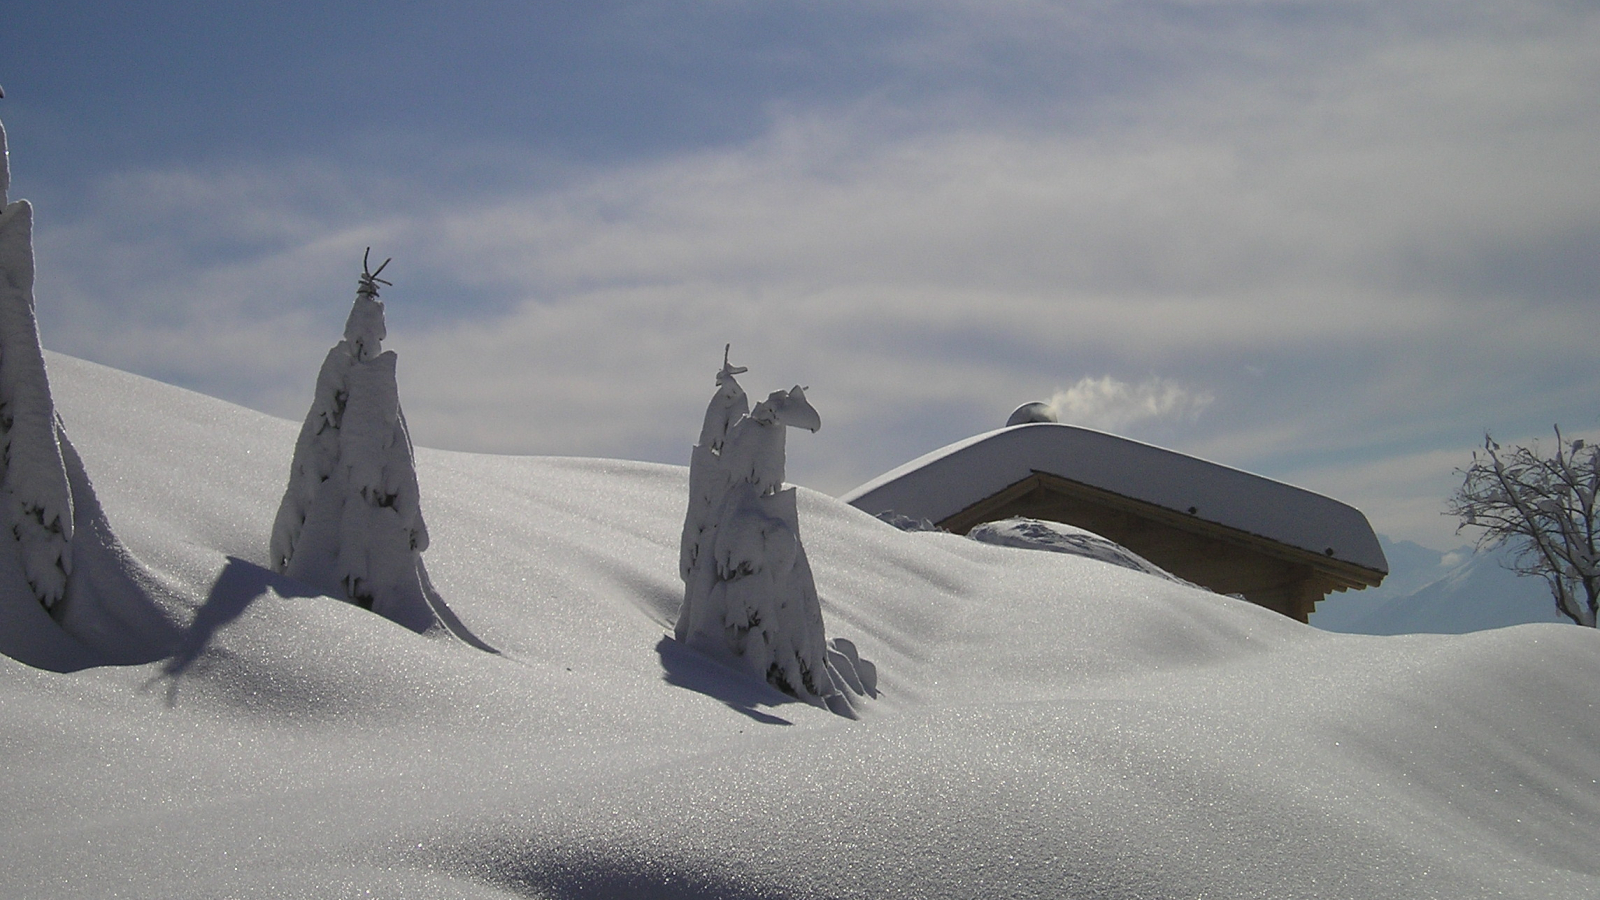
x: 35, y: 498
x: 749, y: 595
x: 707, y: 478
x: 70, y: 594
x: 350, y: 523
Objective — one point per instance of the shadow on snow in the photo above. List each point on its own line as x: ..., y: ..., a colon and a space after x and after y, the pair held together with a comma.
x: 688, y: 669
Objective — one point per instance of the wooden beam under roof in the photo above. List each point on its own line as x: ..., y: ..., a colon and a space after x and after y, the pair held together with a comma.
x: 1228, y: 560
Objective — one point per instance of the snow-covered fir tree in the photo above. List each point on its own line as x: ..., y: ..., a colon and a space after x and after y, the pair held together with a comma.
x: 71, y: 595
x: 749, y: 595
x: 35, y: 497
x: 707, y: 480
x: 350, y: 524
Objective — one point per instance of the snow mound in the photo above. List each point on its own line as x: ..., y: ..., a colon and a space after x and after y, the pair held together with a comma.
x: 112, y: 610
x: 1048, y: 725
x: 1058, y: 537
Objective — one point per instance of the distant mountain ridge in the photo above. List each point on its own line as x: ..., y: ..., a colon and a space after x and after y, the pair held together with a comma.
x: 1438, y: 592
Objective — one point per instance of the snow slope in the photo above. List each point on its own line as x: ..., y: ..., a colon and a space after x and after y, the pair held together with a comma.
x: 1049, y: 726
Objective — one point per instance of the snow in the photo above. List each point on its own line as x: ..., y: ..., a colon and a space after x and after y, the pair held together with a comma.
x: 71, y: 595
x: 350, y: 523
x: 1058, y: 537
x: 1047, y: 725
x: 939, y: 484
x: 365, y: 330
x: 749, y: 597
x: 708, y: 478
x: 35, y: 499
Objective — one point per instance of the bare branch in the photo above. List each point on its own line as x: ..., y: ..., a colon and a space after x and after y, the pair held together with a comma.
x: 1543, y: 509
x: 369, y: 279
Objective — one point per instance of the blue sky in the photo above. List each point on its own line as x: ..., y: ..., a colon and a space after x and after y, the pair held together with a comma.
x: 1327, y: 242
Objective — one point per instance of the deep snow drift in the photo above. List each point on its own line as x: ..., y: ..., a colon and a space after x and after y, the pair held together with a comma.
x: 1048, y: 725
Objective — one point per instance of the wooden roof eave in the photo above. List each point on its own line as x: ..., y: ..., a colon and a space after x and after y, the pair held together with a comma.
x: 1338, y: 574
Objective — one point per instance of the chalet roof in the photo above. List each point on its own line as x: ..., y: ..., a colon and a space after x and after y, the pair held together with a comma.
x: 948, y: 480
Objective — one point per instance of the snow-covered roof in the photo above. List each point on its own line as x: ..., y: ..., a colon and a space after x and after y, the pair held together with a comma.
x: 952, y: 478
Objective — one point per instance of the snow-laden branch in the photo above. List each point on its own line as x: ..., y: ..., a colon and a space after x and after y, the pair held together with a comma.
x: 749, y: 596
x: 350, y: 523
x: 35, y: 498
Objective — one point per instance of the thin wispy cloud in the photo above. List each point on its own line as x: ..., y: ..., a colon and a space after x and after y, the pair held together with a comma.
x: 1108, y: 404
x: 1310, y: 212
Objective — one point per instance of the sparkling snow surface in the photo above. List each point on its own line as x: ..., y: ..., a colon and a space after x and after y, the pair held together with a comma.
x: 1049, y: 726
x: 1059, y: 537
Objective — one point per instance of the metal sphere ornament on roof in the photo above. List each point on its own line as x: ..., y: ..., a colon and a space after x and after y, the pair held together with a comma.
x: 1032, y: 412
